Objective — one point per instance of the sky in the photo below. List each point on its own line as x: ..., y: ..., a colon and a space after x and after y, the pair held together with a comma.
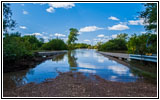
x: 95, y: 21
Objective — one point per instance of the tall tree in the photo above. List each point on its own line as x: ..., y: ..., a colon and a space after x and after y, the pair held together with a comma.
x: 122, y: 36
x: 8, y: 22
x: 150, y: 16
x: 72, y: 36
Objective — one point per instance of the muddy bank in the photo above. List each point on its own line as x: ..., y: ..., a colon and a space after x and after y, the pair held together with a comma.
x: 27, y: 62
x: 75, y: 84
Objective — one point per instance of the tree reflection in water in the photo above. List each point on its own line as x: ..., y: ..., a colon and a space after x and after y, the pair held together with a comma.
x: 72, y: 60
x: 58, y: 57
x: 14, y: 79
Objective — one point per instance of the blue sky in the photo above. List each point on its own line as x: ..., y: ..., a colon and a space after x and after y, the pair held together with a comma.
x: 95, y: 21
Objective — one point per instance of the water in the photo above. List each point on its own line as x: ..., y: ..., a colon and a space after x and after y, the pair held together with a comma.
x: 81, y: 60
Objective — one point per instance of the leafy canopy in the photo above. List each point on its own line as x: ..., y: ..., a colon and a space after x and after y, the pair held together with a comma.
x: 150, y: 16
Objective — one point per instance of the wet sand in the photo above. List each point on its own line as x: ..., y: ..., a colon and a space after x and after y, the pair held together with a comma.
x: 75, y: 84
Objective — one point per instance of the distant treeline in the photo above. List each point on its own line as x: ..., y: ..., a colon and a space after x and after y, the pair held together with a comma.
x: 136, y: 44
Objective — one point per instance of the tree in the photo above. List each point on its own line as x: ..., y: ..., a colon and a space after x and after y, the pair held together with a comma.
x: 72, y: 36
x: 150, y: 16
x: 8, y: 22
x: 55, y: 44
x: 122, y: 36
x: 142, y: 44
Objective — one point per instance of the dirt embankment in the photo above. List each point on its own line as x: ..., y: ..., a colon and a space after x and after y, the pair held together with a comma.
x: 75, y: 84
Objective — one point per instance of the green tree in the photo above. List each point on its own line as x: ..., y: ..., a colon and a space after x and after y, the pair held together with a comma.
x: 55, y: 44
x: 14, y: 48
x: 8, y: 22
x: 122, y: 36
x: 150, y: 16
x: 142, y: 44
x: 31, y: 42
x: 72, y: 36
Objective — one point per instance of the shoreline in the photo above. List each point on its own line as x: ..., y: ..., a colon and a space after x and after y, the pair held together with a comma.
x: 29, y: 62
x: 75, y: 84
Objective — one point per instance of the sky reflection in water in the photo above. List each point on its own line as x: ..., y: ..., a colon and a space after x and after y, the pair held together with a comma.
x: 82, y: 60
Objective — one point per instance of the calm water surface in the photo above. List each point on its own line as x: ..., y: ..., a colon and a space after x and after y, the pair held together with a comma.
x: 81, y: 60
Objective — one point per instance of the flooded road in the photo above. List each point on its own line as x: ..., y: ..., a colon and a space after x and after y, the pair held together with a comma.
x: 86, y: 61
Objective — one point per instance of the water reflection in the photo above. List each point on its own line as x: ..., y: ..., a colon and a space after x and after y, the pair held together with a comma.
x: 58, y: 57
x: 83, y: 60
x: 72, y: 60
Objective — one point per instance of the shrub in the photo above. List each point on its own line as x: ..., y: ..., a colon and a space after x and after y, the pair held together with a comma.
x: 55, y: 44
x: 113, y: 45
x: 142, y: 44
x: 14, y: 48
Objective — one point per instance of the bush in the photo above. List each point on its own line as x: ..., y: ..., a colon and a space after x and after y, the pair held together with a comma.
x: 31, y: 42
x: 55, y: 44
x: 14, y: 48
x: 113, y: 45
x: 142, y: 44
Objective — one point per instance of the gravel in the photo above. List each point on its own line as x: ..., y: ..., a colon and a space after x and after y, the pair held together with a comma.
x: 75, y: 84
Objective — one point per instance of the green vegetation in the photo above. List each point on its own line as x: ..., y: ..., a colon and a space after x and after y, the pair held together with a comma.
x: 54, y: 44
x: 142, y: 44
x: 72, y: 38
x: 150, y: 16
x: 81, y: 45
x: 8, y: 22
x: 117, y: 44
x: 16, y: 47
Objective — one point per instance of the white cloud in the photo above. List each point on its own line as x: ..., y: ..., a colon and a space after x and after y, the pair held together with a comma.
x: 25, y: 12
x: 37, y: 34
x: 119, y: 69
x: 143, y: 32
x: 54, y: 5
x: 22, y: 4
x: 90, y: 29
x: 113, y: 18
x: 59, y: 35
x: 45, y: 38
x: 136, y: 22
x: 86, y: 40
x: 22, y: 27
x: 50, y: 10
x: 118, y: 27
x: 61, y: 5
x: 114, y: 36
x: 100, y: 35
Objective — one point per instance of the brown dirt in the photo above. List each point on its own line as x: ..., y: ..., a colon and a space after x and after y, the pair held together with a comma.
x: 75, y: 84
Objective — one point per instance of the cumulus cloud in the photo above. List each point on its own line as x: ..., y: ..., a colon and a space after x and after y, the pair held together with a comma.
x: 118, y: 27
x: 37, y: 34
x: 54, y: 5
x: 113, y: 18
x: 136, y: 22
x: 143, y: 32
x: 59, y: 35
x: 61, y: 5
x: 50, y: 10
x: 89, y: 29
x: 25, y: 12
x: 22, y: 27
x: 100, y: 35
x: 119, y: 69
x: 86, y: 40
x: 114, y: 35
